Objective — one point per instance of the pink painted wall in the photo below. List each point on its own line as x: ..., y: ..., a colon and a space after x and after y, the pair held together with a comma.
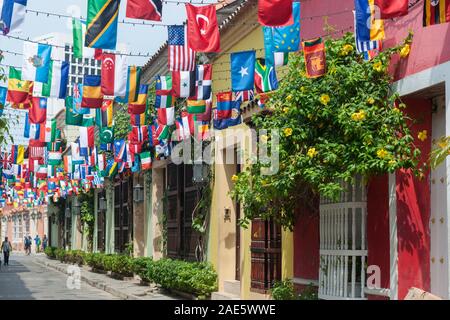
x: 431, y: 45
x: 413, y: 210
x: 378, y: 228
x: 306, y: 245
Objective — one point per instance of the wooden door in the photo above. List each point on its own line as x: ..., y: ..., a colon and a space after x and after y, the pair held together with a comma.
x: 122, y: 217
x: 182, y: 198
x: 265, y: 255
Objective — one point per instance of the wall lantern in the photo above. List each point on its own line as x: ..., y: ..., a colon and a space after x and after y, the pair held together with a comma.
x: 76, y: 206
x: 102, y: 204
x: 138, y: 193
x: 67, y: 213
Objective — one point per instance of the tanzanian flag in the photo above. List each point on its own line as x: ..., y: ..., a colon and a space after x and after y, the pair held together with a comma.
x: 436, y: 12
x: 101, y: 29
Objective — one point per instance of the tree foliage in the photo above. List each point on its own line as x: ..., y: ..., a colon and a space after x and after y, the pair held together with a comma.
x: 5, y: 135
x: 331, y: 129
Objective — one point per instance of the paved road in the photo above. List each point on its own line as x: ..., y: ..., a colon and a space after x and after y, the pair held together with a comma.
x: 25, y: 280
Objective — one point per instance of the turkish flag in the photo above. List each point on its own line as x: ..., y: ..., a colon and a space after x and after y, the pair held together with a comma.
x: 392, y: 8
x: 203, y: 30
x: 275, y: 13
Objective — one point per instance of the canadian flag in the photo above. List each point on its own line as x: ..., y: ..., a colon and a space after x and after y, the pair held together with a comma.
x: 114, y: 75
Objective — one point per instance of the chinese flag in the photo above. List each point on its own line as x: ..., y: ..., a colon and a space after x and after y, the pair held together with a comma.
x: 275, y: 12
x: 392, y: 8
x: 203, y: 30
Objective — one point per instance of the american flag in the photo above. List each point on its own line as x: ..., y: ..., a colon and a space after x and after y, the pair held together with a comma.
x: 181, y: 57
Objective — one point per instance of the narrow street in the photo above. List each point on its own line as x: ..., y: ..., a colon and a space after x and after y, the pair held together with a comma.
x: 24, y: 279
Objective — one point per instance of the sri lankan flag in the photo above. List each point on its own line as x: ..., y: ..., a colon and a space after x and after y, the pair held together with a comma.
x: 18, y: 89
x: 436, y: 11
x: 101, y: 31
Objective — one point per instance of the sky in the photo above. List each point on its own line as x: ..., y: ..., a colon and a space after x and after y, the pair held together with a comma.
x: 138, y: 39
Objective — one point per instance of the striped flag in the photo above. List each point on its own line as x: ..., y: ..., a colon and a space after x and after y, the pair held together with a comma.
x: 56, y: 86
x: 50, y: 131
x: 181, y: 57
x: 139, y: 134
x: 166, y: 116
x: 146, y: 160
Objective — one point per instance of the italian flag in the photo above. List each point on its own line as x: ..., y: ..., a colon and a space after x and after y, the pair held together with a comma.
x: 146, y: 160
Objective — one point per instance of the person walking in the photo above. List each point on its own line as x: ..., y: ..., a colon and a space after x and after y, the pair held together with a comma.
x: 37, y: 242
x: 6, y: 249
x: 26, y: 244
x: 44, y: 242
x: 30, y: 241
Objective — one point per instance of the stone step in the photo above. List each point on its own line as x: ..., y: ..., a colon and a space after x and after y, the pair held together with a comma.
x: 232, y: 287
x: 224, y: 296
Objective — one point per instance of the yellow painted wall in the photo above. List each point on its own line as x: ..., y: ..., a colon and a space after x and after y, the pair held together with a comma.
x: 221, y: 248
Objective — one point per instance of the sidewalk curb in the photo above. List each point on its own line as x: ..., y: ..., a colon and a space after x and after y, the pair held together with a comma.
x: 92, y: 283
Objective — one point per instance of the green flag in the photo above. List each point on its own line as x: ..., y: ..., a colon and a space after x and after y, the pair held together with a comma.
x: 72, y: 118
x: 88, y: 120
x: 79, y: 31
x: 106, y: 135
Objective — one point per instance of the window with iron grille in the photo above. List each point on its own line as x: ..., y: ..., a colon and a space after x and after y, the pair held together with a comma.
x: 343, y: 244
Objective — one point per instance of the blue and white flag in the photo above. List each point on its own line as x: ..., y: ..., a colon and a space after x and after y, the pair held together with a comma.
x: 243, y: 70
x: 56, y: 86
x: 31, y: 130
x: 12, y: 15
x: 36, y: 61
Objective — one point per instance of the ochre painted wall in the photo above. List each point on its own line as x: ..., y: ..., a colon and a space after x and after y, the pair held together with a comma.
x: 413, y: 210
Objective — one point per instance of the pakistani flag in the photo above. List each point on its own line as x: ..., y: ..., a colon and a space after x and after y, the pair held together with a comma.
x: 79, y: 32
x: 106, y: 135
x: 56, y: 86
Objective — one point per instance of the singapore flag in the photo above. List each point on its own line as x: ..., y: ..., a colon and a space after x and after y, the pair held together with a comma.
x: 114, y: 75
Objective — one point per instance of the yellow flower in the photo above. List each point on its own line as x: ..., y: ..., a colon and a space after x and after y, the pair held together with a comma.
x: 359, y: 116
x: 234, y: 178
x: 289, y: 97
x: 382, y: 153
x: 371, y: 100
x: 324, y: 99
x: 287, y: 132
x: 346, y: 49
x: 442, y: 144
x: 263, y: 138
x: 285, y: 109
x: 312, y: 152
x: 423, y: 135
x: 402, y: 106
x: 404, y: 52
x: 392, y: 162
x: 378, y: 66
x: 302, y: 89
x: 397, y: 110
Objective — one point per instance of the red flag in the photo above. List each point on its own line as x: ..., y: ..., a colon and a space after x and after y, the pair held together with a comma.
x: 38, y: 110
x: 114, y: 75
x: 144, y: 9
x: 275, y: 12
x: 392, y: 8
x: 203, y: 30
x: 98, y: 53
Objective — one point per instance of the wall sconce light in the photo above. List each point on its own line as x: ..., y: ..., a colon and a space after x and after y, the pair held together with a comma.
x: 227, y: 215
x: 138, y: 193
x: 76, y: 206
x: 102, y: 204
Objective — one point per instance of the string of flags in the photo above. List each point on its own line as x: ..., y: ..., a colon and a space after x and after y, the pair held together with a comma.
x: 176, y: 107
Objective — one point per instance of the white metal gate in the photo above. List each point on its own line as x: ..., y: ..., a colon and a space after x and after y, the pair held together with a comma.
x: 343, y: 244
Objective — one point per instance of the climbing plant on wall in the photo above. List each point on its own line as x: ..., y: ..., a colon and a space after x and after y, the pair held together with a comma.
x: 346, y: 123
